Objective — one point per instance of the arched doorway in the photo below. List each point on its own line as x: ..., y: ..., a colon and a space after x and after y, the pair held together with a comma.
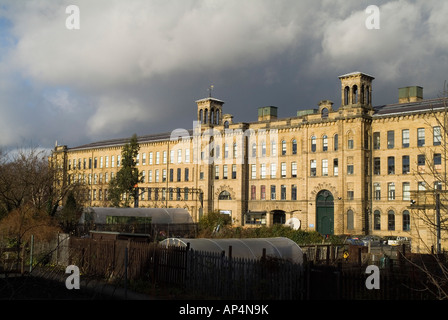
x: 325, y: 212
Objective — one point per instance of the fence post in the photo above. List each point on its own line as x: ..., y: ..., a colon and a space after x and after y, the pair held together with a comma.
x: 31, y: 252
x: 126, y: 272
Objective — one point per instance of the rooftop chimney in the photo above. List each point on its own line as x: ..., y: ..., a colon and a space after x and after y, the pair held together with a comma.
x: 410, y: 94
x: 267, y: 113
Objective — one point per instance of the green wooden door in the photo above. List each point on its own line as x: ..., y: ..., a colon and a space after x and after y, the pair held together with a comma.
x: 325, y: 212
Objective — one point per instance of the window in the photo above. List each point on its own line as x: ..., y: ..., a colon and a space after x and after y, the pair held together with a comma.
x: 171, y: 156
x: 376, y: 140
x: 149, y: 175
x: 391, y: 191
x: 294, y: 169
x: 377, y: 166
x: 254, y: 150
x: 187, y: 155
x: 294, y: 146
x: 313, y: 144
x: 406, y: 220
x: 421, y: 160
x: 233, y: 171
x: 390, y: 139
x: 187, y: 174
x: 283, y: 147
x: 336, y: 142
x: 390, y: 165
x: 313, y: 168
x: 273, y: 195
x: 405, y: 165
x: 263, y: 149
x: 421, y: 137
x: 235, y: 150
x: 325, y: 167
x: 406, y: 191
x: 391, y: 220
x: 376, y: 220
x: 226, y: 150
x: 283, y: 192
x: 253, y: 192
x: 405, y: 138
x: 324, y: 143
x: 163, y: 175
x: 171, y: 175
x: 350, y: 220
x: 225, y: 172
x: 164, y: 157
x: 143, y: 159
x: 283, y: 169
x: 274, y: 148
x: 437, y: 136
x: 293, y: 192
x: 216, y: 172
x: 350, y: 143
x: 273, y: 170
x: 377, y: 191
x: 179, y: 174
x: 437, y: 159
x: 112, y: 162
x: 179, y: 156
x: 263, y: 192
x: 224, y: 195
x: 335, y: 167
x: 350, y: 169
x: 253, y: 171
x: 157, y: 157
x: 149, y: 160
x: 263, y: 171
x: 350, y: 195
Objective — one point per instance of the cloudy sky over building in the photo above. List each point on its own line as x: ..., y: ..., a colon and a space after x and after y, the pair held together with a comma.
x: 138, y: 66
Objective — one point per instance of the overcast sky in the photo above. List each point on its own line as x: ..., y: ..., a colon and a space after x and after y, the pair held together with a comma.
x: 137, y: 66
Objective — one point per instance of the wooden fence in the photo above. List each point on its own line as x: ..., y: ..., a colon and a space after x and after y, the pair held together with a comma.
x: 213, y: 275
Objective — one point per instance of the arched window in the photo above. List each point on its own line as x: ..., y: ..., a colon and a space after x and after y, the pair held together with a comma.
x: 350, y: 220
x: 324, y: 143
x: 254, y: 150
x: 224, y: 195
x: 226, y: 124
x: 355, y: 94
x: 324, y: 113
x: 336, y: 142
x: 201, y: 119
x: 346, y: 95
x: 294, y: 146
x: 212, y: 116
x: 391, y: 220
x: 313, y: 144
x: 283, y: 147
x: 367, y: 95
x: 376, y: 220
x: 406, y: 220
x: 205, y: 116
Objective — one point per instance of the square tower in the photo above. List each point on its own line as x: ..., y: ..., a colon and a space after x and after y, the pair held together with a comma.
x: 210, y: 111
x: 356, y: 90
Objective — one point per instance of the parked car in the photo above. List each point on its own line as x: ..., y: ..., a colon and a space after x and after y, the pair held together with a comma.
x: 373, y: 240
x: 354, y: 240
x: 391, y: 240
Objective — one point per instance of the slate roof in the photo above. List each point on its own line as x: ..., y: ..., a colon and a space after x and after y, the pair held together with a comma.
x: 121, y: 141
x: 410, y: 107
x: 379, y: 111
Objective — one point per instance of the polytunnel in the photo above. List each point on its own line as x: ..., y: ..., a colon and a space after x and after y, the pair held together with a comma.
x: 101, y: 215
x: 252, y: 248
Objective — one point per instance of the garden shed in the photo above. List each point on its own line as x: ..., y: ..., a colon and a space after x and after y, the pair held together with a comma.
x: 251, y: 248
x: 105, y: 215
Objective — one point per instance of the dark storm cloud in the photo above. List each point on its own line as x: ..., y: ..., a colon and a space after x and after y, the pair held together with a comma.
x: 138, y: 66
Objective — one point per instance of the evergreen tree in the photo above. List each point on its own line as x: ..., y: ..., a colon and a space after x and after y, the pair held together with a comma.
x: 127, y: 178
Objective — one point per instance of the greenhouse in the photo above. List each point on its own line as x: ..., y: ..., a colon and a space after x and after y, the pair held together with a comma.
x: 251, y: 248
x: 104, y: 215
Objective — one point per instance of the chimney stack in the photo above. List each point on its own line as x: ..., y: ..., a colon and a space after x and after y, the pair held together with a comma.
x: 410, y: 94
